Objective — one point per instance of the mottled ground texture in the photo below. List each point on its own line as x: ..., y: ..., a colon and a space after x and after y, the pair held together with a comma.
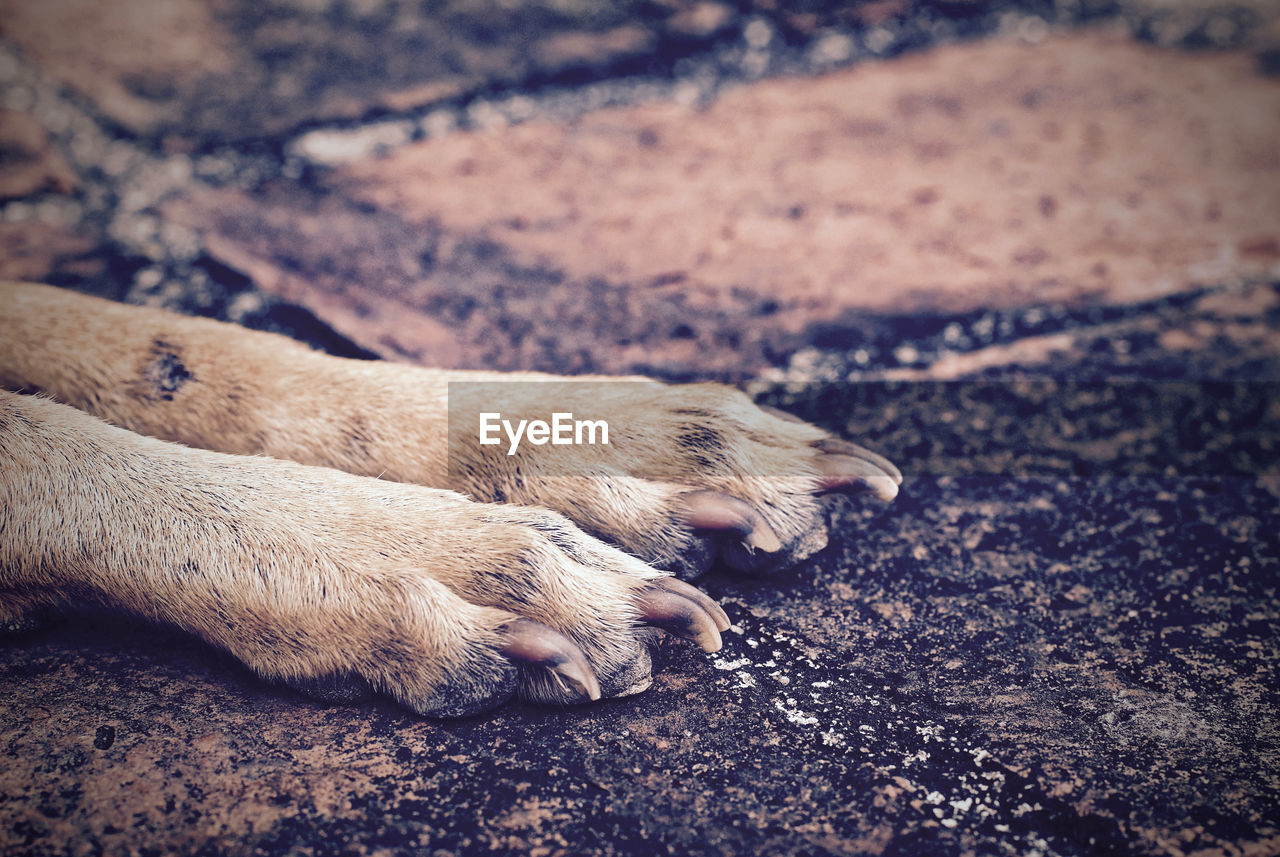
x: 1031, y: 251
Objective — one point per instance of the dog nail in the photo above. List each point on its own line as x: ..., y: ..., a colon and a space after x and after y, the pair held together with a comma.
x: 840, y: 471
x: 533, y: 643
x: 680, y: 616
x: 705, y: 601
x: 713, y: 510
x: 838, y: 446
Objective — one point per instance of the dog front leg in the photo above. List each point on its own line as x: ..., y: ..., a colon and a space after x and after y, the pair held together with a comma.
x: 324, y: 580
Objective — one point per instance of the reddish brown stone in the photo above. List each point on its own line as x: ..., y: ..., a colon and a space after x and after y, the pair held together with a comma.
x: 350, y: 270
x: 28, y: 162
x: 133, y: 58
x: 418, y: 293
x: 586, y: 48
x: 979, y: 175
x: 41, y: 252
x: 225, y: 70
x: 701, y: 19
x: 659, y: 238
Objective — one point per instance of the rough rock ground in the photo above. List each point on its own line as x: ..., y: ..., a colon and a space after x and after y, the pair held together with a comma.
x: 1028, y: 250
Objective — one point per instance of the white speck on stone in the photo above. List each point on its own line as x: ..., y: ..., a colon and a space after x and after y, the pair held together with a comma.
x: 58, y: 211
x: 794, y: 715
x: 745, y: 680
x: 948, y: 822
x: 821, y: 684
x: 519, y: 108
x: 934, y: 797
x: 878, y: 39
x: 962, y: 805
x: 754, y: 64
x: 486, y: 116
x: 333, y: 147
x: 438, y: 123
x: 148, y: 278
x: 758, y: 33
x: 1032, y: 30
x: 177, y: 169
x: 833, y: 48
x: 929, y: 733
x: 182, y: 242
x: 737, y: 629
x: 20, y: 99
x: 119, y: 159
x: 687, y: 94
x: 722, y: 664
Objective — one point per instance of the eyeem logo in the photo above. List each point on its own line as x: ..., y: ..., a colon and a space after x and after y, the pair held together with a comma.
x: 563, y: 430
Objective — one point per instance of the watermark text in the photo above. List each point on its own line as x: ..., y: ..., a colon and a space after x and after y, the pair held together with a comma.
x: 563, y: 430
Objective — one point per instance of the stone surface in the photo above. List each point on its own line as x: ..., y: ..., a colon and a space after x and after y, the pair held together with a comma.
x: 28, y: 164
x: 984, y: 174
x: 233, y: 70
x: 47, y: 253
x: 1061, y: 639
x: 132, y: 58
x: 1077, y: 666
x: 1084, y: 170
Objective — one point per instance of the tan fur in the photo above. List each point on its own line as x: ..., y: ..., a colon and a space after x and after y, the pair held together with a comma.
x: 246, y: 515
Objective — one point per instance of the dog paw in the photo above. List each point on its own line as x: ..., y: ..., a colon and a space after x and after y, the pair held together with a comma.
x: 450, y: 607
x: 329, y: 582
x: 691, y: 474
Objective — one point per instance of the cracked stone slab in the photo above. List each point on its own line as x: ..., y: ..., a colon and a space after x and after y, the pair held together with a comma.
x: 1091, y: 643
x: 234, y: 69
x: 991, y: 665
x: 28, y: 164
x: 198, y: 72
x: 981, y: 174
x: 1083, y: 170
x: 32, y: 250
x: 1218, y: 333
x: 946, y: 680
x: 995, y: 663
